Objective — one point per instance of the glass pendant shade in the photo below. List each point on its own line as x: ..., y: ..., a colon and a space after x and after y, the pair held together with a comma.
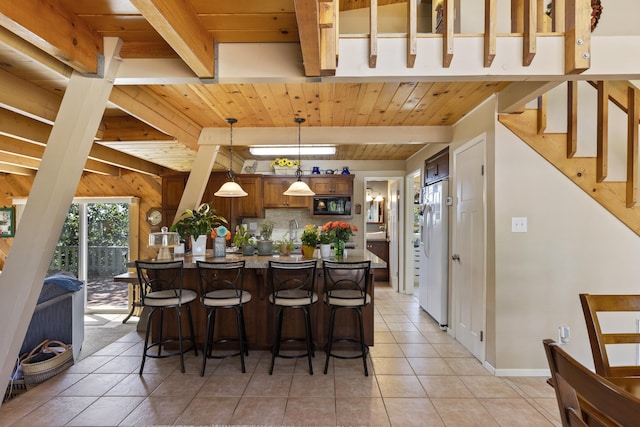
x: 231, y: 188
x: 299, y: 188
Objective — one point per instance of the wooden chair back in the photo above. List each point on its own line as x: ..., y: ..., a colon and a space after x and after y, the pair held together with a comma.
x: 599, y: 340
x: 585, y: 398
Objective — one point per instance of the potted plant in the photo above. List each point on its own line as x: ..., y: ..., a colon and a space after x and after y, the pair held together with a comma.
x: 309, y: 240
x: 265, y: 244
x: 285, y: 244
x: 196, y: 224
x: 243, y: 240
x: 325, y: 241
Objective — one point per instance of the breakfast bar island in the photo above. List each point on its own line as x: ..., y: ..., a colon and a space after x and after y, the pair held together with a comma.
x: 260, y: 315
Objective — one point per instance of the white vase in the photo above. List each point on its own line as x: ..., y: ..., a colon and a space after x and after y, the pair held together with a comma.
x: 199, y: 245
x: 325, y: 250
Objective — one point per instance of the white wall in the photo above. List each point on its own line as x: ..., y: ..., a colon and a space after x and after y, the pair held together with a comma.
x: 573, y: 245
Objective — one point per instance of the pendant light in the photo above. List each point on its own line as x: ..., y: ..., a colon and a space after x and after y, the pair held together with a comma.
x: 231, y: 188
x: 299, y: 188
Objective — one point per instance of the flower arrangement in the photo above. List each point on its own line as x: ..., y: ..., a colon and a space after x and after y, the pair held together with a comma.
x: 339, y: 230
x: 221, y: 231
x: 325, y: 238
x: 284, y: 162
x: 198, y: 222
x: 310, y: 235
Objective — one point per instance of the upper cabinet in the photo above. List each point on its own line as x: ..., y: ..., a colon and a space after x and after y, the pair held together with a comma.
x: 274, y: 186
x: 251, y: 205
x: 337, y: 185
x: 437, y: 167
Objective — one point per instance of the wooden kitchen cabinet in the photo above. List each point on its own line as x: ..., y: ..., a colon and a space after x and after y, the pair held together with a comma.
x: 436, y: 167
x: 338, y: 185
x: 251, y: 205
x: 274, y: 186
x: 222, y: 205
x: 381, y: 249
x: 172, y: 189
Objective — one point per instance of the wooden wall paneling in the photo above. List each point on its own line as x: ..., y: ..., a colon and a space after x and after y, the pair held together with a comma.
x: 147, y: 188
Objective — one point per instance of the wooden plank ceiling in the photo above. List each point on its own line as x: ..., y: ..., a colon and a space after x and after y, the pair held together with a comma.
x: 154, y: 128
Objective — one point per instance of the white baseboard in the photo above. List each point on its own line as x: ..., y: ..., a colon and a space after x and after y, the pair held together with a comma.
x: 517, y: 372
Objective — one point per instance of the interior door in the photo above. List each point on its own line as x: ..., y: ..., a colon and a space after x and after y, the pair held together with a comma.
x: 468, y: 253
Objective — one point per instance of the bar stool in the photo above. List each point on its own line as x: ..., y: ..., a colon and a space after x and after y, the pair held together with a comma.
x: 292, y: 287
x: 346, y: 285
x: 222, y: 287
x: 161, y: 288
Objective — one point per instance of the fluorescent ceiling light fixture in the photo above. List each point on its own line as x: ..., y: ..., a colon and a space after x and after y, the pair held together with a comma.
x: 290, y: 150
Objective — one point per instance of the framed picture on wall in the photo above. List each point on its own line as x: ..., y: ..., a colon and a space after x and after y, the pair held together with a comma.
x: 7, y: 222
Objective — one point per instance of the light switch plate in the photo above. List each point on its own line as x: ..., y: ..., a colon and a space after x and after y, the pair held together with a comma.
x: 519, y: 224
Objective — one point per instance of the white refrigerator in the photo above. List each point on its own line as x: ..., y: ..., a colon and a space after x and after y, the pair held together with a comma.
x: 433, y: 290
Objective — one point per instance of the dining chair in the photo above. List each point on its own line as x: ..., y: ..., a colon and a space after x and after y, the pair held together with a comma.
x: 161, y: 289
x: 604, y: 339
x: 586, y: 398
x: 292, y: 288
x: 222, y: 287
x: 346, y: 286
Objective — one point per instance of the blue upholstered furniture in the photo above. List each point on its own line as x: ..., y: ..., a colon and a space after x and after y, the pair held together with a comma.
x: 59, y: 314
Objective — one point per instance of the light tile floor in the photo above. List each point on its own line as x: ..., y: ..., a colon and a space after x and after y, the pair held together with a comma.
x: 419, y: 376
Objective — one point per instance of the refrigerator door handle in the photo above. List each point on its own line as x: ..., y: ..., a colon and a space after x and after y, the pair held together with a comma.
x: 427, y: 231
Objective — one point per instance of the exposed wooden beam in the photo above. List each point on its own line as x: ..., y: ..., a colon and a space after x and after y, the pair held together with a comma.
x: 530, y: 32
x: 447, y: 34
x: 309, y: 33
x: 150, y: 109
x: 178, y: 23
x: 28, y: 50
x: 20, y: 95
x: 490, y: 18
x: 25, y: 128
x: 126, y: 128
x: 16, y: 170
x: 602, y: 132
x: 632, y: 147
x: 65, y: 36
x: 577, y: 37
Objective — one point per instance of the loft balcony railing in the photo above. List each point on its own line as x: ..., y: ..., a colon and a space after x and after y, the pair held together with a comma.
x: 528, y: 19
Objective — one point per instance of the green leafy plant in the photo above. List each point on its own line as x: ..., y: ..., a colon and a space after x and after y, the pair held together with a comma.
x: 266, y: 230
x: 310, y: 235
x: 198, y: 222
x: 285, y: 244
x: 242, y: 237
x: 325, y: 238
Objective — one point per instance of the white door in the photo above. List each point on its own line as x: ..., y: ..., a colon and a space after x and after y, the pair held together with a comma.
x: 468, y: 252
x: 394, y: 237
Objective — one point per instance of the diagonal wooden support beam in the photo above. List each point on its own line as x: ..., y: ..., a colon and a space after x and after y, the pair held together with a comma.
x: 52, y: 192
x: 65, y: 36
x: 633, y: 116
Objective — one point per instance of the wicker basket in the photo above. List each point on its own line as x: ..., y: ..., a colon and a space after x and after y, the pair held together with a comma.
x: 46, y: 360
x: 14, y: 389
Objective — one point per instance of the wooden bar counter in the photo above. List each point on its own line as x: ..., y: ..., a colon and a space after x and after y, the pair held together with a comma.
x: 260, y: 314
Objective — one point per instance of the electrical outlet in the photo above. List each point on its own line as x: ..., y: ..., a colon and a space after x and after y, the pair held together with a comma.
x: 564, y: 334
x: 519, y: 224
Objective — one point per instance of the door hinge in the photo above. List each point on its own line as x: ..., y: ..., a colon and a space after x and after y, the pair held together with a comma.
x: 481, y: 336
x: 482, y: 170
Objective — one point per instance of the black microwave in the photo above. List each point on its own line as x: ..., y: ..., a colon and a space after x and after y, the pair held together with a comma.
x: 332, y: 205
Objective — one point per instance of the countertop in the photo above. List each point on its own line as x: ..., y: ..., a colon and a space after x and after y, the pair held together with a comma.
x: 262, y: 261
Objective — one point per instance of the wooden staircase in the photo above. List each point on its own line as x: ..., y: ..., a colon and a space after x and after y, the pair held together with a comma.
x: 589, y: 173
